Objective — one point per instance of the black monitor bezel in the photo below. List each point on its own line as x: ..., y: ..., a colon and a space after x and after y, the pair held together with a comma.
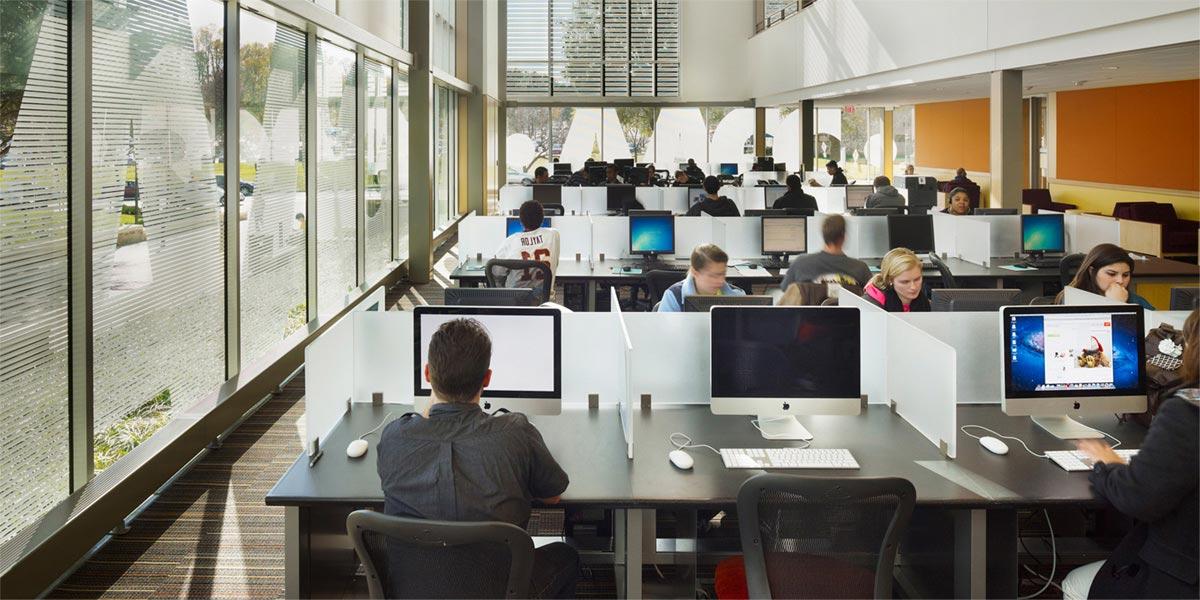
x: 912, y: 218
x: 544, y: 187
x: 1062, y: 220
x: 633, y: 215
x: 868, y: 188
x: 751, y: 300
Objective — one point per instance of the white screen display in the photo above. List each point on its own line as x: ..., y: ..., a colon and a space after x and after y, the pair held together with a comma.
x: 522, y: 350
x: 1079, y: 349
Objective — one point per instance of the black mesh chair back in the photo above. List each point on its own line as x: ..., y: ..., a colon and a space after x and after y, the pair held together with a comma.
x: 416, y: 558
x: 814, y: 537
x: 1067, y: 268
x: 510, y: 273
x: 657, y: 282
x: 948, y: 280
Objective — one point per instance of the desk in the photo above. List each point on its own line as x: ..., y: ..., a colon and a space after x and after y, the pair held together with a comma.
x: 967, y: 507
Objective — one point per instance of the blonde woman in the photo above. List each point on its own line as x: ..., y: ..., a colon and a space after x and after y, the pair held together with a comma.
x: 899, y: 284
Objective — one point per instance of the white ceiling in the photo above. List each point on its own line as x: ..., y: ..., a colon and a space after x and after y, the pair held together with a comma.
x: 1154, y: 65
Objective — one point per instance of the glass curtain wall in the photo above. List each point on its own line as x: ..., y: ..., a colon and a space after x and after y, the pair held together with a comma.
x: 783, y: 135
x: 336, y: 178
x: 377, y: 175
x: 445, y: 163
x: 903, y: 139
x: 400, y: 147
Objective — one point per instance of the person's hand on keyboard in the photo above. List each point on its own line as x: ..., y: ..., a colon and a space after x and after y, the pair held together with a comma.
x: 1099, y: 452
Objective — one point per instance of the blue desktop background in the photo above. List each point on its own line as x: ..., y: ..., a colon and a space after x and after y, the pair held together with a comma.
x: 652, y: 234
x: 1029, y: 369
x: 514, y: 225
x: 729, y: 169
x: 1043, y: 233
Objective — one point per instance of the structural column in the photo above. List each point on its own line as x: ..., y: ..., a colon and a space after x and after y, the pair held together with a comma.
x: 760, y: 132
x: 1007, y: 139
x: 472, y: 36
x: 1035, y: 138
x: 886, y: 144
x: 420, y: 143
x: 808, y: 135
x: 79, y: 231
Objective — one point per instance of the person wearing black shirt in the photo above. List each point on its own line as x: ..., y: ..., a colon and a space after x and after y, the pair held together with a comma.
x: 839, y: 176
x: 693, y: 171
x: 795, y: 196
x: 681, y: 179
x: 714, y: 205
x: 541, y: 175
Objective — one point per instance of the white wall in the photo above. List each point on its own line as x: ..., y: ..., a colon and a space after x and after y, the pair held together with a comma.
x: 837, y: 47
x: 714, y: 50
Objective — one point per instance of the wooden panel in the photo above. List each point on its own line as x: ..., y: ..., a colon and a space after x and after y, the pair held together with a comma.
x: 1087, y: 135
x: 953, y: 134
x: 1143, y: 238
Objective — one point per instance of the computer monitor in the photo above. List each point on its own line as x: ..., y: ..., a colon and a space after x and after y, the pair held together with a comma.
x: 995, y: 211
x: 856, y: 195
x: 972, y: 300
x: 485, y: 296
x: 783, y: 361
x: 638, y: 175
x: 781, y: 167
x: 771, y: 193
x: 562, y: 168
x: 1062, y: 361
x: 597, y: 173
x: 705, y: 303
x: 1042, y: 233
x: 650, y: 213
x: 914, y: 232
x: 1184, y: 298
x: 650, y: 235
x: 620, y: 196
x: 784, y: 235
x: 513, y: 225
x: 764, y: 163
x: 623, y: 163
x: 526, y: 355
x: 730, y: 169
x: 545, y: 193
x: 696, y: 195
x: 877, y: 212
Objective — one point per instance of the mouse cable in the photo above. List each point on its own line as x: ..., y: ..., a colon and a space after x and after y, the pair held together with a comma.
x: 683, y: 441
x: 1053, y: 559
x: 1007, y: 437
x: 755, y: 423
x: 386, y: 420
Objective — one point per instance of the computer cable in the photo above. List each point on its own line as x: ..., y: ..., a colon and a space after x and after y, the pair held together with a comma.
x: 1053, y: 557
x: 1022, y: 442
x: 386, y: 420
x: 683, y: 441
x: 756, y: 424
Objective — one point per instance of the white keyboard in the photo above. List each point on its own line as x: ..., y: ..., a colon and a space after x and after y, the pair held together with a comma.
x: 788, y: 458
x: 1074, y: 460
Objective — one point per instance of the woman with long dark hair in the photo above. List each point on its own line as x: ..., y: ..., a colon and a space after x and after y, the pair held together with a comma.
x: 1107, y: 271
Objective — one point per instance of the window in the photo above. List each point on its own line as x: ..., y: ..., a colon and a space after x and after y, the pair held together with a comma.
x: 593, y: 47
x: 628, y: 133
x: 272, y: 147
x: 158, y: 215
x: 903, y: 138
x: 828, y: 144
x: 442, y: 35
x: 583, y: 135
x: 445, y: 163
x: 527, y: 145
x: 401, y: 149
x: 336, y: 179
x: 731, y: 135
x: 679, y: 134
x: 377, y: 178
x: 783, y: 135
x: 33, y: 261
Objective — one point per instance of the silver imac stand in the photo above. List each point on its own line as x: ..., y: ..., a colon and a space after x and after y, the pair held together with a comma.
x: 782, y: 428
x: 1066, y: 428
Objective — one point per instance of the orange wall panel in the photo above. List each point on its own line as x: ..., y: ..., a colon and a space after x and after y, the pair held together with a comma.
x: 953, y: 134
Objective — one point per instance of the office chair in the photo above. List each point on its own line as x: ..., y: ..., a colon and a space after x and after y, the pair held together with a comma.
x: 1068, y: 267
x: 657, y: 283
x: 817, y: 537
x: 553, y: 210
x: 948, y: 280
x: 413, y: 558
x: 502, y: 273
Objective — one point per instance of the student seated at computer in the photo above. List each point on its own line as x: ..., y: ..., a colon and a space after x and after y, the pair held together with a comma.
x: 839, y: 176
x: 899, y: 284
x: 681, y: 179
x: 706, y: 277
x: 830, y: 265
x: 714, y: 204
x: 885, y: 195
x: 611, y: 177
x: 541, y: 175
x: 961, y: 180
x: 958, y: 202
x: 1158, y: 490
x: 533, y: 243
x: 581, y: 177
x: 457, y: 463
x: 1107, y: 271
x: 693, y: 171
x: 909, y: 169
x: 795, y: 196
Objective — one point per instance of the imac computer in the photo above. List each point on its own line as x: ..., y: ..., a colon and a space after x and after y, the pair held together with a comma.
x: 856, y: 196
x: 562, y: 169
x: 784, y: 236
x: 526, y: 355
x: 778, y: 362
x: 706, y: 303
x: 1063, y: 361
x: 513, y: 225
x: 485, y: 296
x: 968, y: 300
x: 730, y: 169
x: 651, y: 235
x: 545, y: 193
x: 914, y: 232
x: 619, y: 197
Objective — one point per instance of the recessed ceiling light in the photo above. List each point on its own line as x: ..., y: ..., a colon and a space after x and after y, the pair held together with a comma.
x: 939, y: 89
x: 1111, y: 68
x: 1080, y: 82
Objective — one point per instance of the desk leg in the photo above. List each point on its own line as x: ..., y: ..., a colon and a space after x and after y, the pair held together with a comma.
x: 970, y: 556
x: 591, y: 295
x: 628, y: 552
x: 295, y: 552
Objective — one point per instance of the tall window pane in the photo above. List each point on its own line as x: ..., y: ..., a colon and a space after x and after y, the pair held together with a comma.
x: 583, y: 134
x: 158, y: 214
x: 629, y: 133
x: 875, y: 142
x: 854, y: 143
x: 335, y: 175
x: 829, y: 136
x: 378, y: 175
x: 445, y: 162
x: 33, y: 260
x: 680, y: 134
x: 731, y: 135
x: 783, y: 131
x: 903, y: 140
x: 401, y: 148
x: 528, y: 144
x: 272, y: 60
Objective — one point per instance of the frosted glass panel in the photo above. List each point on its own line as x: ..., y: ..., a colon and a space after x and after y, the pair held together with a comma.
x: 973, y: 241
x: 666, y: 345
x: 335, y: 176
x: 480, y: 235
x: 328, y: 379
x: 975, y: 337
x: 873, y: 332
x: 922, y: 375
x: 377, y: 179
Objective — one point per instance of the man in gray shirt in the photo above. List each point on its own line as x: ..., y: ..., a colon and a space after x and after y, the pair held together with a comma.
x: 829, y: 265
x: 460, y: 464
x: 885, y: 196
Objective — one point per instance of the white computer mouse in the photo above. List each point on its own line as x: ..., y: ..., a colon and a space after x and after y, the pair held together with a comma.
x: 356, y: 448
x: 681, y: 459
x: 993, y: 445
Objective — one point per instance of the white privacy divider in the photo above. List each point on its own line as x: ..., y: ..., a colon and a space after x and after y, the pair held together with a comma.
x: 650, y: 197
x: 610, y: 237
x: 625, y: 398
x: 830, y: 200
x: 1086, y: 231
x: 973, y: 240
x: 670, y: 357
x: 591, y: 354
x: 572, y: 200
x: 945, y: 234
x: 751, y: 198
x: 675, y: 199
x: 595, y: 200
x: 743, y: 236
x: 1073, y: 296
x: 329, y: 379
x: 812, y: 231
x: 693, y: 231
x: 512, y: 196
x: 873, y: 332
x: 383, y: 356
x: 866, y: 237
x: 1005, y: 234
x: 480, y: 235
x: 574, y: 236
x: 975, y: 337
x: 921, y: 373
x: 1174, y: 318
